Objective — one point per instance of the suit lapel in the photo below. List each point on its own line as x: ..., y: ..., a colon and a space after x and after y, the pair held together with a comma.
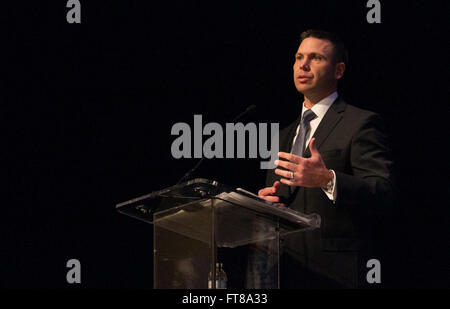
x: 329, y: 121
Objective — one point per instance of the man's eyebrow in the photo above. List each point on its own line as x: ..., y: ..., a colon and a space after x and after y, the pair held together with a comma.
x: 313, y: 53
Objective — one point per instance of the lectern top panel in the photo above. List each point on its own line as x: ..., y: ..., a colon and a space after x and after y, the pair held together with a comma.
x: 182, y: 195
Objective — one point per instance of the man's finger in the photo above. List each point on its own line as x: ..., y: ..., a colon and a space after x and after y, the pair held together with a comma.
x: 269, y: 190
x: 276, y: 185
x: 290, y: 157
x: 272, y: 198
x: 312, y: 147
x: 287, y: 182
x: 286, y: 164
x: 286, y: 174
x: 266, y: 191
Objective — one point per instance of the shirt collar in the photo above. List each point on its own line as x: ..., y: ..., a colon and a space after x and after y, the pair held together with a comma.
x: 321, y: 107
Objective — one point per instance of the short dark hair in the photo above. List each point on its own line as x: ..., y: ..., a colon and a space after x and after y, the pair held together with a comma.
x: 340, y: 51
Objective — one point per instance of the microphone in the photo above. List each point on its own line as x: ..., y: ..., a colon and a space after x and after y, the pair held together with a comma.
x: 191, y: 171
x: 249, y: 109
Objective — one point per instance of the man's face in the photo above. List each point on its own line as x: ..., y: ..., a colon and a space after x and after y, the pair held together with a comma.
x: 315, y: 71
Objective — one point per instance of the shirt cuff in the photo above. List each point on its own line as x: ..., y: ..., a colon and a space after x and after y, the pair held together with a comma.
x: 332, y: 194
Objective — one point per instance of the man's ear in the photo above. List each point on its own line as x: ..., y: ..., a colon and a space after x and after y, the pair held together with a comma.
x: 339, y: 70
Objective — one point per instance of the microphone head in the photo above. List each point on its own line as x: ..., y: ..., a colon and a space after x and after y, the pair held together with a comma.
x: 251, y: 107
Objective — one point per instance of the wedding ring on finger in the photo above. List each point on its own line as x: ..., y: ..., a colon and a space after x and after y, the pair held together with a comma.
x: 292, y: 175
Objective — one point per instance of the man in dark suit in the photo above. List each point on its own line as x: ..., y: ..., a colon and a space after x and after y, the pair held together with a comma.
x: 334, y: 161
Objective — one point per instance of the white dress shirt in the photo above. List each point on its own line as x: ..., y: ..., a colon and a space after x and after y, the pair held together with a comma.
x: 320, y: 109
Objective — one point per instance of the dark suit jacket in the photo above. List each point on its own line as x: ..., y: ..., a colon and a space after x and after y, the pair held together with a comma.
x: 352, y: 142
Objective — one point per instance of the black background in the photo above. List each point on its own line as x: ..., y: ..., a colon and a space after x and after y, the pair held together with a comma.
x: 87, y: 109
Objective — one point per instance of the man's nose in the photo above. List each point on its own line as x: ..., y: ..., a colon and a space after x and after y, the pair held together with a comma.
x: 304, y: 65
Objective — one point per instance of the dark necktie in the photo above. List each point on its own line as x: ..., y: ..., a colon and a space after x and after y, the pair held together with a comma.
x: 299, y: 145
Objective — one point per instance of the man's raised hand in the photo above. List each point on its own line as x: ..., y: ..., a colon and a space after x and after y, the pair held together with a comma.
x: 306, y: 172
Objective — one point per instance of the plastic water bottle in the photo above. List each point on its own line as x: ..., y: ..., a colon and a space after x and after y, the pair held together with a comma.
x: 221, y: 278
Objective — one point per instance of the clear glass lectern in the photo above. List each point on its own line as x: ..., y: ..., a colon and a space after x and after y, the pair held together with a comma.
x: 193, y: 220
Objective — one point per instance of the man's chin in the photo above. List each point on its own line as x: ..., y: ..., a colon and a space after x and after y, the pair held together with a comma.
x: 304, y: 89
